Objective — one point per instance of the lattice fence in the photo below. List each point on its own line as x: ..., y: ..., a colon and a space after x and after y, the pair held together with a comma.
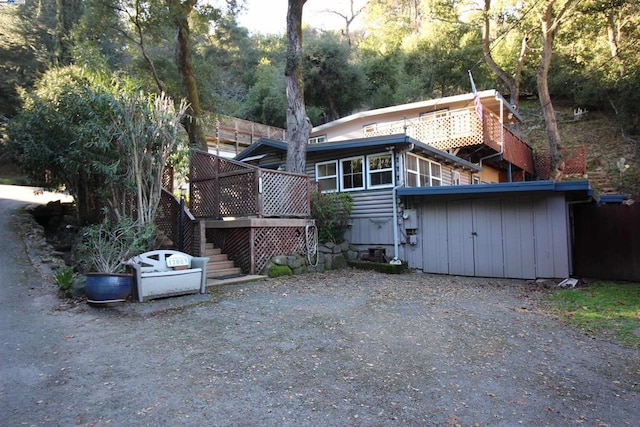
x: 222, y: 188
x: 575, y: 162
x: 168, y: 221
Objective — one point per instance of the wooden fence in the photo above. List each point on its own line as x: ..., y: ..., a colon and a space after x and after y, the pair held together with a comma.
x: 607, y: 241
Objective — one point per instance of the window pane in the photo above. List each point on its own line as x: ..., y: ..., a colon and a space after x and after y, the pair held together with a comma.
x: 381, y: 178
x: 412, y: 179
x: 328, y: 184
x: 352, y: 176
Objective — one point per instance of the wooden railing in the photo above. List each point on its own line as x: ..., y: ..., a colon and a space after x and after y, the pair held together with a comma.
x: 451, y: 129
x: 222, y: 188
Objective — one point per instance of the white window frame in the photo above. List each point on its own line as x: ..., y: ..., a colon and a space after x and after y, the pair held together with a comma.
x: 318, y: 139
x: 425, y: 170
x: 376, y: 171
x: 327, y: 177
x: 475, y: 180
x: 455, y: 177
x: 342, y: 173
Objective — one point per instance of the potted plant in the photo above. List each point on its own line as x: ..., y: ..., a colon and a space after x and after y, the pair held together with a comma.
x: 102, y: 251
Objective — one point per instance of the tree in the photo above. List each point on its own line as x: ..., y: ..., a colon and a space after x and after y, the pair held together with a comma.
x: 298, y: 124
x: 512, y: 82
x: 551, y: 17
x: 333, y: 82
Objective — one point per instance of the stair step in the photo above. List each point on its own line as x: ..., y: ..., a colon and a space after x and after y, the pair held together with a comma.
x: 212, y: 274
x: 212, y: 251
x: 217, y: 257
x: 217, y: 265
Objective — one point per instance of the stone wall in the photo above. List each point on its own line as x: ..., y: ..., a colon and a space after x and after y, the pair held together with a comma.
x: 331, y: 256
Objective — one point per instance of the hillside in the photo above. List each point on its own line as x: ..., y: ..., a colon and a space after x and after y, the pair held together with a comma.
x: 604, y: 146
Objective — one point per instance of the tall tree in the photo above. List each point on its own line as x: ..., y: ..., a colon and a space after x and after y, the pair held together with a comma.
x: 551, y: 16
x: 192, y: 120
x: 298, y: 124
x: 512, y: 82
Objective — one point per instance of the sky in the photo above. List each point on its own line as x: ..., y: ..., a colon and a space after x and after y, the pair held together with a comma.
x: 270, y: 16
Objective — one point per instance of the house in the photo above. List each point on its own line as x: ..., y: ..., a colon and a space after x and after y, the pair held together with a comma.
x: 452, y: 125
x: 413, y: 172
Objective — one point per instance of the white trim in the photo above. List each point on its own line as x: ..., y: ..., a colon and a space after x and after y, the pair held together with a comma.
x: 342, y: 174
x: 328, y: 177
x: 390, y: 169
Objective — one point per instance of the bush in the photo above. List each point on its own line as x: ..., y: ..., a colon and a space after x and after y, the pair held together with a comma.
x: 331, y: 212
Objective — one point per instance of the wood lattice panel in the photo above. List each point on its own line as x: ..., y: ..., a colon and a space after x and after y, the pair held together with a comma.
x: 271, y: 241
x: 575, y: 162
x: 285, y: 195
x: 223, y: 187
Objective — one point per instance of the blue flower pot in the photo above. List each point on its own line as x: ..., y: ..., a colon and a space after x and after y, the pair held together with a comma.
x: 104, y: 288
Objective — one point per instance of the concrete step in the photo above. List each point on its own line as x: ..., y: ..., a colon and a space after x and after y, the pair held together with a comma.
x: 234, y: 280
x: 221, y: 272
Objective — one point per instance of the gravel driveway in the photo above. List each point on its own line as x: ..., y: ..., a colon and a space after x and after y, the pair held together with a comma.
x: 345, y: 348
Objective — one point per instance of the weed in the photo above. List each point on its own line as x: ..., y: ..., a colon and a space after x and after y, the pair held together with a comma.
x: 64, y: 278
x: 605, y: 310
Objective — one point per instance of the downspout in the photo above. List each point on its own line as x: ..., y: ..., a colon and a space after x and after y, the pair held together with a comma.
x: 396, y: 237
x: 501, y: 139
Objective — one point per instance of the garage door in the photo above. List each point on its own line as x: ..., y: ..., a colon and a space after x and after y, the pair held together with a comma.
x: 493, y: 237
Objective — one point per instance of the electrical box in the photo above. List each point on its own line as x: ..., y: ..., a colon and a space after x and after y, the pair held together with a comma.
x: 410, y: 218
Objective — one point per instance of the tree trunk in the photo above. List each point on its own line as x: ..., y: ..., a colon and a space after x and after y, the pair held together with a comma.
x: 191, y: 121
x: 549, y: 23
x: 298, y: 124
x: 512, y: 82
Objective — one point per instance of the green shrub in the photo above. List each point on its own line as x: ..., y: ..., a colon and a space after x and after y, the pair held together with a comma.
x: 331, y: 212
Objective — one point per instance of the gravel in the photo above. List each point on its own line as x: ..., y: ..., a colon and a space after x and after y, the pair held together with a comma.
x: 348, y: 348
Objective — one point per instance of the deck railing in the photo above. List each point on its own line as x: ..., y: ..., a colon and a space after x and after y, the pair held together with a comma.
x: 223, y: 187
x: 451, y: 129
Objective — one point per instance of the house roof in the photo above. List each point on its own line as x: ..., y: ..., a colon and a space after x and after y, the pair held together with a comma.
x: 489, y: 98
x: 395, y: 141
x: 575, y: 189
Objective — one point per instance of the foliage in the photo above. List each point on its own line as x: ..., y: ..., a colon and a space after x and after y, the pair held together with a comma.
x: 64, y: 278
x: 603, y: 309
x: 381, y: 267
x: 98, y: 138
x: 105, y: 247
x: 279, y: 270
x: 331, y: 212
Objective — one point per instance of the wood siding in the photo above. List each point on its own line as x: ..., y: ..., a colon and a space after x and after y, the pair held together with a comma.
x: 522, y: 237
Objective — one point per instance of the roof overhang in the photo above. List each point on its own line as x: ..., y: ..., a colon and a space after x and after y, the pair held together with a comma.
x: 389, y: 142
x: 573, y: 190
x: 491, y: 99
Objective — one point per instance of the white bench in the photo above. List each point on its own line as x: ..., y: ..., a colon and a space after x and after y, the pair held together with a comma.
x: 164, y: 273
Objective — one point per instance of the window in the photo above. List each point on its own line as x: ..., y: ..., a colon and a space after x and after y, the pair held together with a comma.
x: 352, y: 174
x: 370, y: 128
x: 380, y: 170
x: 327, y: 176
x: 455, y: 178
x: 318, y: 139
x: 476, y: 179
x: 422, y: 172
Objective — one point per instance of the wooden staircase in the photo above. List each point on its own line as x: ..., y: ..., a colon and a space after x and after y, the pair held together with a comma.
x: 219, y: 264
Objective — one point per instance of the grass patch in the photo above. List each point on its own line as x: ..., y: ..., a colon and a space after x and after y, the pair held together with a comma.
x: 607, y: 310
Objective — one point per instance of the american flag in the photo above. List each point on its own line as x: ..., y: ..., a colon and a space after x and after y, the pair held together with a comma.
x: 476, y: 98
